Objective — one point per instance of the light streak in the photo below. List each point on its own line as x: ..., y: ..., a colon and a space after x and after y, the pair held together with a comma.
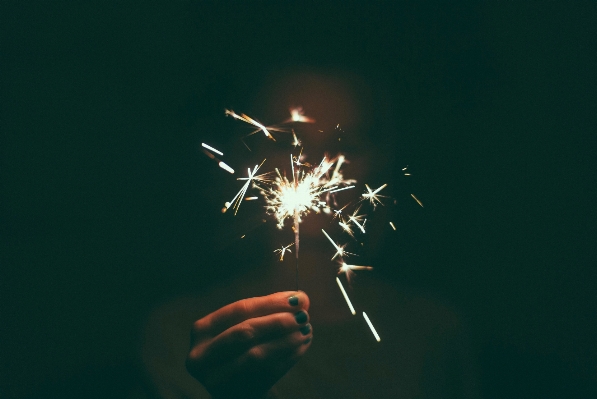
x: 416, y: 199
x: 346, y: 297
x: 251, y: 198
x: 211, y: 149
x: 295, y: 141
x: 227, y: 168
x: 251, y: 121
x: 348, y: 270
x: 392, y: 224
x: 283, y: 250
x: 371, y: 327
x: 372, y: 195
x: 251, y: 177
x: 339, y: 249
x: 356, y: 218
x: 346, y: 227
x: 221, y: 164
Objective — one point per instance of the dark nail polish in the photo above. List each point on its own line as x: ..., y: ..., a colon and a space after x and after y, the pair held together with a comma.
x: 305, y: 329
x: 293, y: 300
x: 300, y: 317
x: 307, y: 341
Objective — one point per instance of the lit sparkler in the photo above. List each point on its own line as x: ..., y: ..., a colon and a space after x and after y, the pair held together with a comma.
x: 305, y: 189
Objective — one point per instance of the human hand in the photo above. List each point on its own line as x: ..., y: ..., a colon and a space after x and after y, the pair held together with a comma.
x: 244, y: 348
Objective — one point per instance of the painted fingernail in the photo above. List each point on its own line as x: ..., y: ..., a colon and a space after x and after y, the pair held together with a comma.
x: 300, y: 317
x: 293, y: 300
x: 307, y: 341
x: 305, y: 329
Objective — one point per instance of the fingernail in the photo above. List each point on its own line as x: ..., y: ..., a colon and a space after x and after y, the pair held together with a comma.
x: 293, y: 300
x: 307, y: 341
x: 300, y: 317
x: 305, y: 329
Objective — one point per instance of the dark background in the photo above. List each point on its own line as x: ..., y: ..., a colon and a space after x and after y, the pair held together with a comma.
x: 103, y: 188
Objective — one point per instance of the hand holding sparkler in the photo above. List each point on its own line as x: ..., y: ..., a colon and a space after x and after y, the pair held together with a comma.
x: 243, y: 349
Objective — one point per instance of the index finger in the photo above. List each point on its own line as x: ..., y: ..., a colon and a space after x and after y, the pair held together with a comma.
x: 234, y: 313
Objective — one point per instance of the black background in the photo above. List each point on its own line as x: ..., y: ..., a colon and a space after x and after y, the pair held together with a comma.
x: 103, y: 188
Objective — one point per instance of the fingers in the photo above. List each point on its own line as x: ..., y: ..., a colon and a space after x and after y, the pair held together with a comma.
x: 281, y: 350
x: 250, y: 333
x: 237, y: 312
x: 258, y: 368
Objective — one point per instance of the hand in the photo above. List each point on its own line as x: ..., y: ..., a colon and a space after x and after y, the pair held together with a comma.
x: 243, y: 349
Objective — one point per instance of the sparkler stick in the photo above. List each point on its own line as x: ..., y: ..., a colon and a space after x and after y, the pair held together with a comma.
x: 346, y: 297
x: 371, y: 327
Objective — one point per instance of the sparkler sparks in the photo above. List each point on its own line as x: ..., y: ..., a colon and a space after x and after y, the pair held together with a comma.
x: 348, y: 270
x: 251, y: 121
x: 212, y: 149
x: 356, y: 218
x: 283, y: 250
x: 339, y: 248
x: 251, y: 178
x: 346, y: 296
x: 221, y: 164
x: 371, y: 327
x: 372, y: 195
x: 416, y: 199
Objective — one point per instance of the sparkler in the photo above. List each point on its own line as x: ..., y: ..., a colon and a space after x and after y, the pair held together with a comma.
x: 304, y: 190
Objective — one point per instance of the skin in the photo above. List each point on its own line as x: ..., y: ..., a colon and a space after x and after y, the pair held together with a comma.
x: 242, y: 349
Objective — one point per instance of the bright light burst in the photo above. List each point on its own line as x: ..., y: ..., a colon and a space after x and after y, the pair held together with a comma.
x: 339, y: 248
x: 348, y: 269
x: 305, y: 191
x: 373, y: 196
x: 283, y: 250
